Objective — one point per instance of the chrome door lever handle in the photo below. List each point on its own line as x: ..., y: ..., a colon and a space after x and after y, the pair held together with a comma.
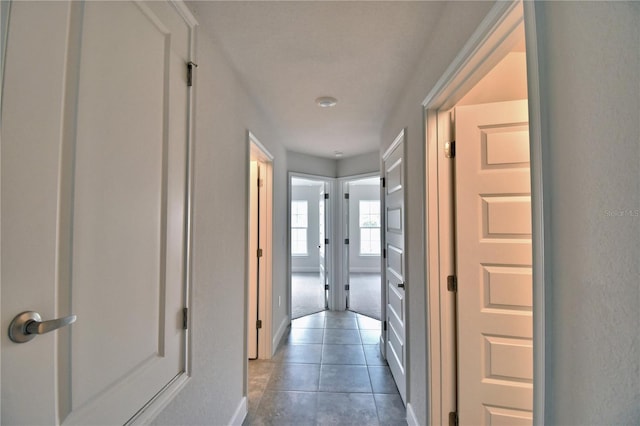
x: 29, y: 324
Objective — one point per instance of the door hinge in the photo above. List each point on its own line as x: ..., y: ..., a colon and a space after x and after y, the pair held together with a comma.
x: 346, y: 241
x: 384, y: 253
x: 346, y: 196
x: 190, y: 66
x: 384, y: 182
x: 259, y: 324
x: 384, y: 325
x: 452, y: 283
x: 326, y: 195
x: 185, y: 318
x: 450, y: 149
x: 453, y: 418
x: 346, y: 287
x: 326, y: 241
x: 326, y: 286
x: 259, y: 253
x: 260, y: 183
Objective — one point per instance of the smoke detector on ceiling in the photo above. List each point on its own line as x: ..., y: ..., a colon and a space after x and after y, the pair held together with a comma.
x: 326, y: 101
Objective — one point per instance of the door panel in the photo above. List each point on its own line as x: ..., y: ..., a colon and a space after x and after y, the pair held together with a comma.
x: 252, y: 332
x: 112, y: 222
x: 393, y: 163
x: 323, y: 205
x: 493, y: 228
x: 324, y: 232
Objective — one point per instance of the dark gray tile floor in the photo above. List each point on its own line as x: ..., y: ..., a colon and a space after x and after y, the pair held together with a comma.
x: 328, y: 371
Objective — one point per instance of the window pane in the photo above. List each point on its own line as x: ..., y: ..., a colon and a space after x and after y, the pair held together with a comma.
x: 299, y: 241
x: 299, y: 217
x: 370, y: 241
x: 369, y: 213
x: 369, y: 218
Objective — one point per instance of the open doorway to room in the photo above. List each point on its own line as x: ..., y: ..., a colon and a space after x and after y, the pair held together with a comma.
x: 310, y: 255
x: 480, y: 238
x: 361, y: 260
x: 260, y: 194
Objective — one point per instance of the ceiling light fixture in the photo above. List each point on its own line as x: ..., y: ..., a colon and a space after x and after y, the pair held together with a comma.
x: 326, y: 101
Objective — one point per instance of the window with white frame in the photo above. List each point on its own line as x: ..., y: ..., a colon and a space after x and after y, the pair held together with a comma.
x: 369, y: 216
x: 299, y: 225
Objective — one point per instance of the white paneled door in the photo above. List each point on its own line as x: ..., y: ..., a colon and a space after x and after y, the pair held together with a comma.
x: 95, y: 124
x: 493, y: 228
x: 323, y: 239
x: 254, y: 259
x: 394, y: 261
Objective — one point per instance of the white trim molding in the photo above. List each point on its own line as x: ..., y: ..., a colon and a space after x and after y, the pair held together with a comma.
x: 241, y: 412
x: 277, y: 337
x: 539, y: 212
x: 394, y: 144
x: 412, y: 420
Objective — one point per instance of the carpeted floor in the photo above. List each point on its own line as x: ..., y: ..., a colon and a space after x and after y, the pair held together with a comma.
x: 308, y: 294
x: 365, y: 294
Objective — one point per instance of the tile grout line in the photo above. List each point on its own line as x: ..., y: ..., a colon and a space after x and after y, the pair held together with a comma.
x: 281, y: 363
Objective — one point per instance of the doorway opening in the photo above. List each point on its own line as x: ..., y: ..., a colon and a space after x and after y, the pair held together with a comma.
x: 362, y: 245
x: 260, y: 219
x: 310, y: 255
x: 479, y: 238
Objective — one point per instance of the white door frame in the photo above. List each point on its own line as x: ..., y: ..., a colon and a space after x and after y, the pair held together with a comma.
x: 261, y: 153
x: 488, y: 44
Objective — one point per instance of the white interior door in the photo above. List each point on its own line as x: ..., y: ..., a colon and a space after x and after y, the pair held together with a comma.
x: 394, y: 184
x: 493, y: 227
x: 323, y: 239
x: 347, y: 241
x: 94, y: 175
x: 254, y: 260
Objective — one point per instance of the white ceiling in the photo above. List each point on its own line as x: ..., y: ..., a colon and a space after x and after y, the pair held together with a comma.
x: 288, y: 53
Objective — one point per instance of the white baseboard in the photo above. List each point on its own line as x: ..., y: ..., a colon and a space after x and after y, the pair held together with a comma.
x: 305, y: 269
x: 282, y: 328
x: 411, y: 416
x: 365, y: 269
x: 240, y: 414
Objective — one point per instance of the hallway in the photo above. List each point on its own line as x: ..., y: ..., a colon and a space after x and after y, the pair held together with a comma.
x: 327, y: 372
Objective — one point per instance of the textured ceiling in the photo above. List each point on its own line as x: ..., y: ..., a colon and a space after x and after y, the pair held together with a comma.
x: 291, y: 52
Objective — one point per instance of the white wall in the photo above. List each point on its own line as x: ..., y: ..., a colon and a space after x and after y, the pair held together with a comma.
x: 359, y: 164
x: 590, y: 91
x: 439, y: 52
x: 329, y: 167
x: 224, y: 113
x: 311, y: 165
x: 505, y: 82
